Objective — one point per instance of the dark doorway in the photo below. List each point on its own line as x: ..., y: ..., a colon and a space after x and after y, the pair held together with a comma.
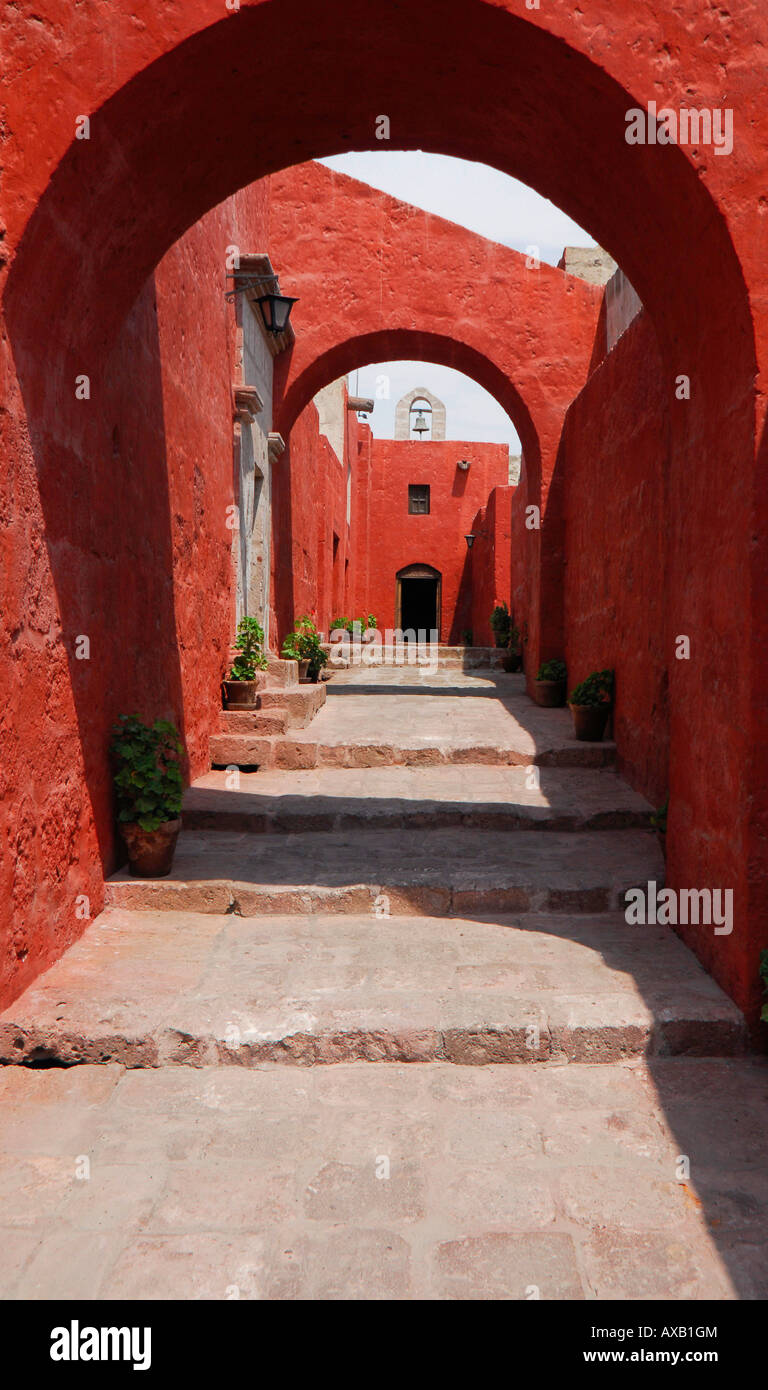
x: 418, y: 599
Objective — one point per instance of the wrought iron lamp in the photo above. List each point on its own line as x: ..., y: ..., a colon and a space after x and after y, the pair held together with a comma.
x: 275, y: 307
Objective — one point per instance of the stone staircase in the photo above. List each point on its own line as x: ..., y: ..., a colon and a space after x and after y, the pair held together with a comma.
x: 448, y: 658
x: 251, y: 739
x: 448, y: 906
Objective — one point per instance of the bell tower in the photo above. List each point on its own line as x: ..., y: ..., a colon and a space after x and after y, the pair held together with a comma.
x: 420, y: 415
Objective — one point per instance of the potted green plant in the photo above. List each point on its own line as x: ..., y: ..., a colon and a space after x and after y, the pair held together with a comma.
x: 303, y: 645
x: 590, y: 704
x: 549, y: 687
x: 513, y: 661
x: 240, y: 689
x: 501, y: 623
x: 147, y: 775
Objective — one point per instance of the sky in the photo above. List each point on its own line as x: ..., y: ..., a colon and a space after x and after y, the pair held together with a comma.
x: 489, y: 203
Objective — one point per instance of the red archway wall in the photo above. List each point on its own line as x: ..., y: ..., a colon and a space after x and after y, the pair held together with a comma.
x: 178, y: 122
x: 379, y: 280
x: 363, y: 263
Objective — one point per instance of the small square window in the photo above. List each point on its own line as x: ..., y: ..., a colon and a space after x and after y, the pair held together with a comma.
x: 418, y: 498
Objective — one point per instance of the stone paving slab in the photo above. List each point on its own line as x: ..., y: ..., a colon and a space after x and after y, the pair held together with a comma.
x: 488, y: 798
x: 149, y: 990
x: 354, y: 1182
x: 438, y: 872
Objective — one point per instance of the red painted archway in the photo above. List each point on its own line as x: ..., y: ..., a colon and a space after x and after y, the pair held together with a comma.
x: 185, y: 111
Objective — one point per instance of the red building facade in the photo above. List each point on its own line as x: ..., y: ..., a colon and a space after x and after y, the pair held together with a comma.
x: 395, y: 536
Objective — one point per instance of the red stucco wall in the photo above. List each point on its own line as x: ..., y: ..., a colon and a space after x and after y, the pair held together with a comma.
x: 614, y: 464
x: 136, y: 557
x: 312, y: 561
x: 491, y: 562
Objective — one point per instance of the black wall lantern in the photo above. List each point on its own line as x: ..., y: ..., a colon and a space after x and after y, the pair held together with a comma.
x: 275, y: 311
x: 470, y: 539
x: 275, y: 307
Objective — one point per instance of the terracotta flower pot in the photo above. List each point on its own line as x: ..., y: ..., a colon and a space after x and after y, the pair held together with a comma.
x: 240, y: 694
x: 549, y: 694
x: 150, y: 852
x: 303, y: 672
x: 589, y: 721
x: 513, y: 662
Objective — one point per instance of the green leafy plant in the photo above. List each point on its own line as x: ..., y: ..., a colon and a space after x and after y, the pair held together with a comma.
x: 147, y: 771
x: 764, y: 978
x: 552, y: 671
x: 466, y: 637
x: 249, y: 643
x: 659, y: 818
x: 303, y: 644
x: 501, y: 622
x: 597, y: 689
x: 348, y: 624
x: 514, y: 659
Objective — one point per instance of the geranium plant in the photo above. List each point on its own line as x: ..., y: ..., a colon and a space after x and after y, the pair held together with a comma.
x: 147, y: 762
x: 597, y: 689
x: 501, y: 623
x: 249, y: 643
x: 303, y: 644
x: 552, y: 671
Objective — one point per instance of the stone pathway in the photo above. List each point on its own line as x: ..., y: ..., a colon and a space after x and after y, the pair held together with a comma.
x: 433, y: 797
x: 339, y: 988
x: 366, y: 1182
x: 390, y: 716
x: 214, y: 1096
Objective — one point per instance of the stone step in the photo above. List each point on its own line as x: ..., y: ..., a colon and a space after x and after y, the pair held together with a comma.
x: 435, y: 873
x: 285, y: 673
x: 410, y: 719
x: 487, y: 798
x: 243, y: 750
x: 153, y: 989
x: 252, y: 738
x: 298, y: 703
x: 348, y: 656
x: 263, y: 722
x: 310, y: 751
x: 300, y: 754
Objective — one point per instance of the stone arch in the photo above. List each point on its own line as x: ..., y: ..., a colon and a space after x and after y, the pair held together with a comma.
x: 403, y: 413
x: 418, y: 346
